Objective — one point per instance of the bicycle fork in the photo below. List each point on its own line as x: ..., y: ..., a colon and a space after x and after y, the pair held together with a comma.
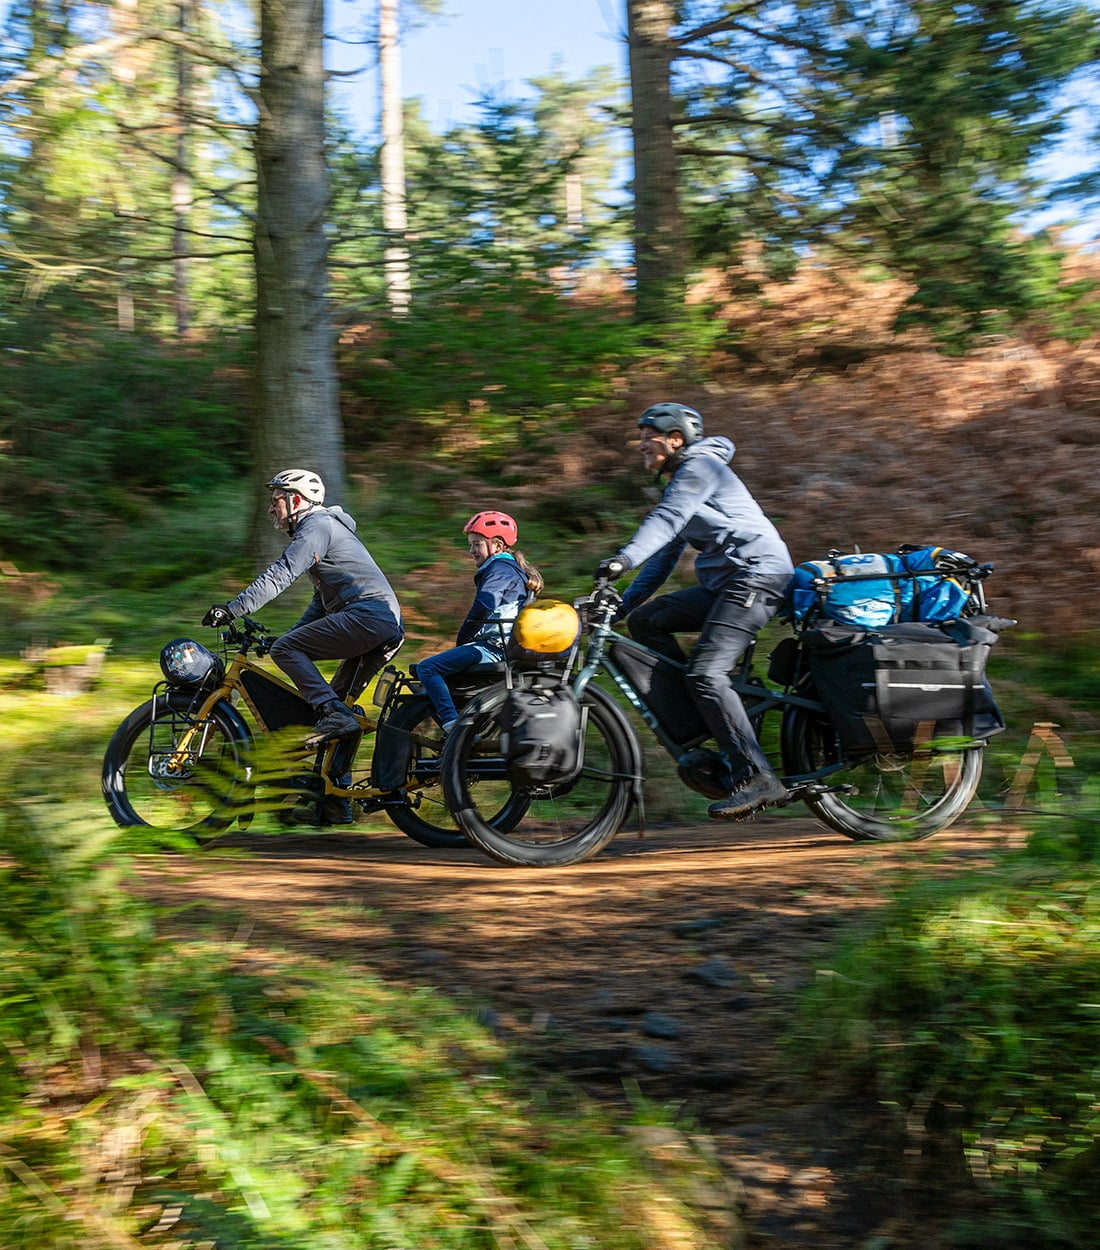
x: 178, y: 763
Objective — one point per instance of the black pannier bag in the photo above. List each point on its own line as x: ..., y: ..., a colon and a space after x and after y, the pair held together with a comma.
x: 277, y: 706
x: 661, y: 683
x: 392, y: 755
x: 903, y: 686
x: 542, y: 735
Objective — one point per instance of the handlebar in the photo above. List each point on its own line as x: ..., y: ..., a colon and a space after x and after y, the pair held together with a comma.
x: 603, y: 599
x: 246, y: 632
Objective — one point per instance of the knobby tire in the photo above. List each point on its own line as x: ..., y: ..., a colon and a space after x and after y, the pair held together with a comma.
x: 900, y: 798
x: 142, y: 786
x: 426, y: 817
x: 561, y: 825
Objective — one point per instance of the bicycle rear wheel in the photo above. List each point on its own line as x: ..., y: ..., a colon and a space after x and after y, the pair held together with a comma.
x: 164, y: 769
x: 561, y: 825
x: 425, y: 816
x: 895, y: 798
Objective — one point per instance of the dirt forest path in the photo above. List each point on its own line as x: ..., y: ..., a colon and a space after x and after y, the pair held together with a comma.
x: 669, y: 963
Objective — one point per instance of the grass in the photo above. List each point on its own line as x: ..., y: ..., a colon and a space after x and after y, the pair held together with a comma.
x: 192, y: 1093
x: 196, y: 1092
x: 971, y: 1007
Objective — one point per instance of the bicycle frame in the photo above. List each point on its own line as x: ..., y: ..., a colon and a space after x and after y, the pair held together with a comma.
x: 273, y: 704
x: 759, y: 699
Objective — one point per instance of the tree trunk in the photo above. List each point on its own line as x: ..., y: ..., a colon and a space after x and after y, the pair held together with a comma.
x: 126, y: 68
x: 298, y: 411
x: 394, y: 210
x: 659, y: 253
x: 182, y: 196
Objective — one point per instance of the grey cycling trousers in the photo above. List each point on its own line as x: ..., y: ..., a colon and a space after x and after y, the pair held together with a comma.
x: 727, y: 622
x: 361, y: 640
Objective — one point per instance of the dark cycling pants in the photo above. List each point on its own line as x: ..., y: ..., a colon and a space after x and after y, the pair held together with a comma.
x: 727, y: 621
x: 362, y: 640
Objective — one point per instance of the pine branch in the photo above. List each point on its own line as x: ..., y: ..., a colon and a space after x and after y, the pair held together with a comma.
x: 108, y: 267
x: 751, y: 157
x: 133, y: 134
x: 106, y: 49
x: 731, y: 24
x: 68, y: 59
x: 162, y: 223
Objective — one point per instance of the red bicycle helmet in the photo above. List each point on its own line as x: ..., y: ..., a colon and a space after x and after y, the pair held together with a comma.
x: 493, y: 525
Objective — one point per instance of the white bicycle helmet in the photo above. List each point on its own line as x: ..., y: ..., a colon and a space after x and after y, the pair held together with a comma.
x: 299, y: 482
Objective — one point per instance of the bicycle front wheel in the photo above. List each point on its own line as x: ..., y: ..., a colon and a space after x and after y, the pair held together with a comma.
x: 894, y: 798
x: 164, y: 769
x: 561, y: 825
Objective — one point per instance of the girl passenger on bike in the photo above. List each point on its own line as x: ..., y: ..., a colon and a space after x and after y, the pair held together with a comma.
x: 505, y: 581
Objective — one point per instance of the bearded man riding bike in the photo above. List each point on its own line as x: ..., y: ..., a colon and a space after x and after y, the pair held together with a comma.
x: 743, y: 567
x: 353, y: 616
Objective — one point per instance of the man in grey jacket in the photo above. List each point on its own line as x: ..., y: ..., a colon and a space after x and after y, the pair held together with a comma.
x: 353, y: 617
x: 742, y: 567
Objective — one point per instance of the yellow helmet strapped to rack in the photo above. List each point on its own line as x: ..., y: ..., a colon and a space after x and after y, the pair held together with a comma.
x: 546, y: 627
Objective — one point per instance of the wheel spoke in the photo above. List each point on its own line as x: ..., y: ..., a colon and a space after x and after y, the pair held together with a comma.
x: 563, y: 823
x: 892, y: 797
x: 164, y: 770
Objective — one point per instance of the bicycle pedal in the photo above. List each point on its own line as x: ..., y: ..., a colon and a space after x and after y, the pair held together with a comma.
x: 814, y: 790
x: 315, y: 741
x: 395, y: 798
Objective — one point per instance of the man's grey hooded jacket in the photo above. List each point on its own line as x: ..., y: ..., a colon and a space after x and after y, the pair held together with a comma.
x: 323, y: 545
x: 705, y: 505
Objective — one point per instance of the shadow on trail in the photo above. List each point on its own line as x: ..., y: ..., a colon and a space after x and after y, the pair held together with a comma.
x: 669, y: 965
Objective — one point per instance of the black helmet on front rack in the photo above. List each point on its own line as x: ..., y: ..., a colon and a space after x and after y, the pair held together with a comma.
x: 664, y: 418
x: 185, y: 662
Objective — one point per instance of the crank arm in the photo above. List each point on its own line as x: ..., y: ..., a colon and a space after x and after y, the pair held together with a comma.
x: 814, y: 790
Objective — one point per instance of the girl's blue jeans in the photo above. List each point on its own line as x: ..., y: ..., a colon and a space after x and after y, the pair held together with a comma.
x: 433, y: 672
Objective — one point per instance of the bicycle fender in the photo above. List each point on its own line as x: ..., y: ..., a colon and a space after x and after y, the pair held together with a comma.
x: 241, y: 732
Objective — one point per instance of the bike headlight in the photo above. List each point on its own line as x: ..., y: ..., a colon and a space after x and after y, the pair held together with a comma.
x: 185, y: 662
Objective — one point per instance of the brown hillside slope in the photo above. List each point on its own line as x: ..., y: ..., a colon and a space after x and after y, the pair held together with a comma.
x: 996, y: 455
x: 852, y: 437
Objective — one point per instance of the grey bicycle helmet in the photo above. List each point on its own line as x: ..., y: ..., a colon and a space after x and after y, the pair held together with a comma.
x: 301, y: 482
x: 668, y: 417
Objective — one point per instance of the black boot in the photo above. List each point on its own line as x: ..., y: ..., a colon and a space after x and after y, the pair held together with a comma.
x: 333, y: 811
x: 337, y: 720
x: 336, y: 811
x: 762, y: 789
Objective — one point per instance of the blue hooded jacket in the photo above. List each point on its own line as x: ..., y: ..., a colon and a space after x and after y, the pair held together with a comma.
x: 705, y: 505
x: 501, y: 592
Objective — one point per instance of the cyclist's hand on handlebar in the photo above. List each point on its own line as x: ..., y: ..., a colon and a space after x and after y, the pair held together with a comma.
x: 609, y: 570
x: 217, y: 615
